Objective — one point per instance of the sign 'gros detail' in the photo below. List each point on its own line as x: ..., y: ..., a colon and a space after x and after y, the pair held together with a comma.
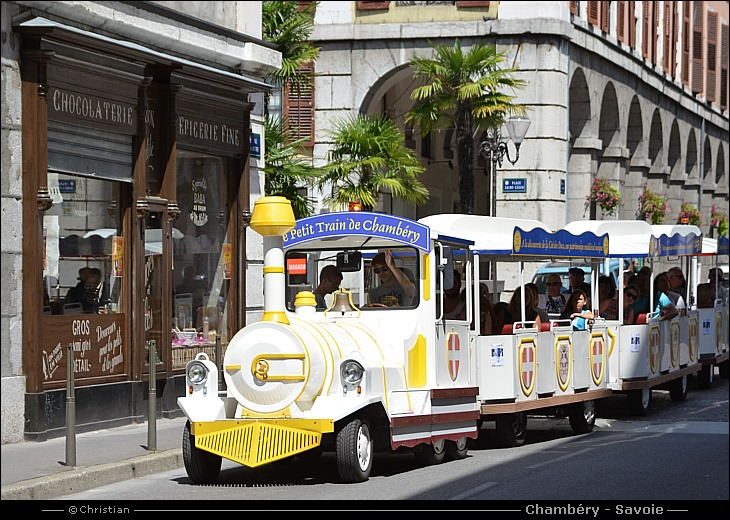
x: 91, y: 108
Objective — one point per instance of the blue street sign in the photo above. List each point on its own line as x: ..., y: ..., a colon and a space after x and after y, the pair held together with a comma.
x: 514, y: 186
x: 255, y: 146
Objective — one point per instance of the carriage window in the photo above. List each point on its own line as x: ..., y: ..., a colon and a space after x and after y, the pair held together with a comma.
x: 375, y: 285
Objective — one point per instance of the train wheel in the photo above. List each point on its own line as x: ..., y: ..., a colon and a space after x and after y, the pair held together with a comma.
x: 354, y: 452
x: 706, y: 376
x: 456, y: 450
x: 639, y: 401
x: 202, y: 466
x: 678, y: 389
x: 511, y: 429
x: 431, y: 454
x: 724, y: 369
x: 582, y: 416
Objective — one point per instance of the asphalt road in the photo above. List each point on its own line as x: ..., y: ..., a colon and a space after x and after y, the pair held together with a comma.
x: 677, y: 455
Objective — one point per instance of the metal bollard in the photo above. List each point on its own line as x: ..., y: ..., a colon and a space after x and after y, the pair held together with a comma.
x: 70, y: 409
x: 152, y: 409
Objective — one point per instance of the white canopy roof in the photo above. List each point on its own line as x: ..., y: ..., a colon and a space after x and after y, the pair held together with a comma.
x: 627, y: 238
x: 488, y: 234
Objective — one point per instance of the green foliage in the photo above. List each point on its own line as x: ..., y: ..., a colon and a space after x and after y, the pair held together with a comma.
x: 719, y: 220
x: 286, y: 171
x: 284, y: 25
x: 652, y: 206
x: 464, y: 90
x: 368, y: 155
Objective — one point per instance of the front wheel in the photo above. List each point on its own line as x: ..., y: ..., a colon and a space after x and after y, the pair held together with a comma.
x: 678, y: 389
x: 202, y: 466
x: 431, y: 454
x: 511, y: 429
x: 582, y: 416
x: 723, y: 367
x: 639, y: 401
x: 354, y: 451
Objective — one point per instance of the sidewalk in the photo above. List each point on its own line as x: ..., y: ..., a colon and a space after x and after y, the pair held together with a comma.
x: 37, y: 470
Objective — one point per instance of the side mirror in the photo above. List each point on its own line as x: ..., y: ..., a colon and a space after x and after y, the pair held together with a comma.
x: 349, y: 261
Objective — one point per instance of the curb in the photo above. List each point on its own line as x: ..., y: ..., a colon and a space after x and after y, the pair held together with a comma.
x: 90, y: 477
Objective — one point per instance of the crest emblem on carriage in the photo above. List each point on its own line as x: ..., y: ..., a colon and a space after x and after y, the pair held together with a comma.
x: 598, y: 357
x: 527, y: 359
x: 674, y: 344
x: 562, y: 355
x: 654, y: 349
x: 693, y: 338
x: 453, y: 354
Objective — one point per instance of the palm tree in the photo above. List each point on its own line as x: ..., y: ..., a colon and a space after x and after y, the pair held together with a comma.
x: 463, y: 90
x: 288, y: 27
x: 369, y: 155
x: 286, y: 171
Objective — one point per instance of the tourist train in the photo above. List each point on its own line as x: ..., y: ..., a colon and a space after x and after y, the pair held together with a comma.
x: 383, y: 365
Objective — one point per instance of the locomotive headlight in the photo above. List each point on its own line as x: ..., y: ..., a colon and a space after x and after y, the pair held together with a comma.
x: 351, y: 372
x: 197, y: 373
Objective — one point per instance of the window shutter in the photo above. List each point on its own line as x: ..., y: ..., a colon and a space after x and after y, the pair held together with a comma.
x: 621, y: 22
x: 710, y: 90
x: 632, y: 24
x: 686, y: 39
x: 669, y: 58
x: 593, y: 13
x: 301, y: 6
x: 605, y: 16
x: 666, y: 35
x: 574, y: 8
x: 654, y: 32
x: 299, y: 108
x: 645, y: 30
x: 697, y: 25
x: 475, y: 3
x: 723, y: 66
x: 368, y: 6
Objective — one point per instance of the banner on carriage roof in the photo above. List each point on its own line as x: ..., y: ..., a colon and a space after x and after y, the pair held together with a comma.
x: 559, y: 244
x: 333, y: 225
x: 675, y: 245
x: 723, y: 246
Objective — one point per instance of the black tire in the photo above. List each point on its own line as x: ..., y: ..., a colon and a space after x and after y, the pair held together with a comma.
x: 706, y: 376
x: 202, y: 466
x: 431, y: 454
x: 582, y: 416
x: 511, y: 429
x: 457, y: 450
x: 639, y: 401
x: 480, y: 423
x: 354, y: 452
x: 678, y: 389
x: 724, y: 369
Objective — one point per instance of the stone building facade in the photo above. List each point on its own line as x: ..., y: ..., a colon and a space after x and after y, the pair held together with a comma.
x: 131, y: 158
x: 615, y: 90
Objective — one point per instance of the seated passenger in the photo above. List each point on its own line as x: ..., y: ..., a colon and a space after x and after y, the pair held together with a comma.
x: 393, y: 282
x: 575, y: 311
x: 704, y: 296
x: 608, y: 306
x: 455, y: 300
x: 330, y: 279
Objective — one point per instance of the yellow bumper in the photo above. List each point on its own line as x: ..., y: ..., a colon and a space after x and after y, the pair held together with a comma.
x: 255, y: 442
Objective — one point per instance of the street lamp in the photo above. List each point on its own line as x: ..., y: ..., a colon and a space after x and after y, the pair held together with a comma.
x: 495, y: 148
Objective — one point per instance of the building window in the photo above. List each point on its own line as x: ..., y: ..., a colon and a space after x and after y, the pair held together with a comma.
x: 299, y: 107
x: 697, y: 29
x: 711, y: 57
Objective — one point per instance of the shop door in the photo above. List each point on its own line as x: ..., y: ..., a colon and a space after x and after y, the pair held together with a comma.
x: 155, y: 307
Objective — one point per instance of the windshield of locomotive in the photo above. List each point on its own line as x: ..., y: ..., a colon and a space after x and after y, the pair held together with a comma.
x: 378, y: 279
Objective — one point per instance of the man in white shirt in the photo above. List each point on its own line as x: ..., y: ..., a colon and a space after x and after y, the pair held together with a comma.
x: 554, y: 301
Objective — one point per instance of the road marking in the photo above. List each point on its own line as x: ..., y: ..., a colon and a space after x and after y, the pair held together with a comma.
x: 552, y: 461
x: 473, y: 491
x: 694, y: 427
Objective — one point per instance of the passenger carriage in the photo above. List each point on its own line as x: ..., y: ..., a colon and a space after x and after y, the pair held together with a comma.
x: 651, y: 353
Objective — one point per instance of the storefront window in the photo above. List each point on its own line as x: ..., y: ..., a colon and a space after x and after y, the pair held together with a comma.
x: 83, y: 246
x: 202, y: 255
